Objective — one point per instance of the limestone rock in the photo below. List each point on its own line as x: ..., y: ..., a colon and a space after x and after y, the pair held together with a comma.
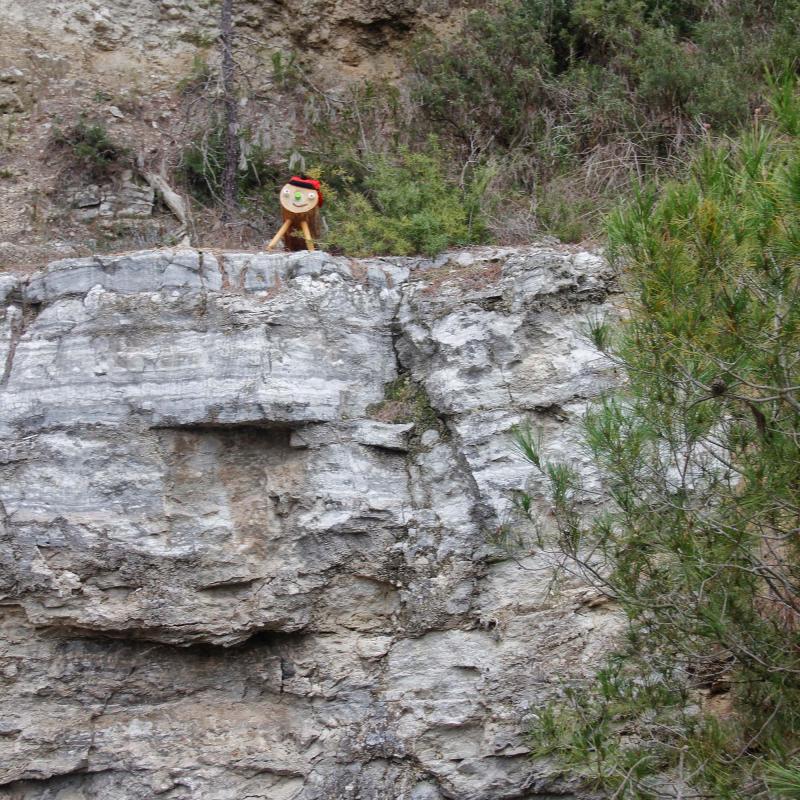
x: 220, y: 577
x: 127, y: 200
x: 10, y: 102
x: 166, y: 31
x: 12, y: 75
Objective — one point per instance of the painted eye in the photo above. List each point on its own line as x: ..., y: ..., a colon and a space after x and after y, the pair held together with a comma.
x: 286, y: 191
x: 311, y: 195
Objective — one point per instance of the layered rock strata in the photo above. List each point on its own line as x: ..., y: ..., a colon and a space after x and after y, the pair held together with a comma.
x: 251, y: 507
x: 352, y: 37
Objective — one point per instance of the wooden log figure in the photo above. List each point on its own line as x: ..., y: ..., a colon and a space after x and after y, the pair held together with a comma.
x: 301, y: 199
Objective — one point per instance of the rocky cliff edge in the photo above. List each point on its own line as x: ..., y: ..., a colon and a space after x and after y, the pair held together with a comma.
x: 251, y: 514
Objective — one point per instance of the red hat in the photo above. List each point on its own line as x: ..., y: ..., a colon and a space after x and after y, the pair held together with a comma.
x: 307, y: 183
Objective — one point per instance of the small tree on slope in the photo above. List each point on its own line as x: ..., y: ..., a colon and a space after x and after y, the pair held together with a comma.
x: 230, y: 114
x: 700, y: 544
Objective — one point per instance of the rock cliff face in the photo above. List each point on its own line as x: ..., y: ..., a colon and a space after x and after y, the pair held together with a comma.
x: 353, y: 36
x: 250, y: 512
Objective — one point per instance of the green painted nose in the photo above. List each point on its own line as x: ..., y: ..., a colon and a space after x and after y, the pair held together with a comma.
x: 298, y: 196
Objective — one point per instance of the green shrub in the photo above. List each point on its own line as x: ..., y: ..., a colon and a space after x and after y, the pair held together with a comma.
x: 91, y: 148
x: 573, y: 102
x: 285, y: 70
x: 599, y: 94
x: 409, y: 206
x: 699, y: 452
x: 202, y: 163
x: 347, y: 136
x: 407, y: 401
x: 784, y: 780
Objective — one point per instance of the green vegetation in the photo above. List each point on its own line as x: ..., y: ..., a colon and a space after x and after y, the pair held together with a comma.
x: 581, y: 99
x: 406, y: 401
x: 199, y: 77
x: 198, y: 38
x: 91, y: 148
x: 202, y: 163
x: 285, y: 71
x: 699, y: 544
x: 545, y: 112
x: 784, y: 781
x: 407, y: 205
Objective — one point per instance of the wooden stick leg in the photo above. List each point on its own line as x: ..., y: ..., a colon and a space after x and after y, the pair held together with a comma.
x: 280, y: 234
x: 307, y: 235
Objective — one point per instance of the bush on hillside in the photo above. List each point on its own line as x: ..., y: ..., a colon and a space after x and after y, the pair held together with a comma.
x: 699, y: 544
x: 553, y: 108
x: 201, y: 165
x: 91, y: 149
x: 408, y: 206
x: 598, y: 95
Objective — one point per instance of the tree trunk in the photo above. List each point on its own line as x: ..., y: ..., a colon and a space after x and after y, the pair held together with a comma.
x: 231, y: 142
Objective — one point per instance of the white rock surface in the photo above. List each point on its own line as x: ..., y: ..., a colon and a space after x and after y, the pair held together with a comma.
x: 224, y: 573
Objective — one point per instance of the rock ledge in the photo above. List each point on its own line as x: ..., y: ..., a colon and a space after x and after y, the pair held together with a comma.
x: 236, y: 562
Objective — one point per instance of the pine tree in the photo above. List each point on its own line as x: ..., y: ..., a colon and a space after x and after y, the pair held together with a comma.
x: 700, y: 544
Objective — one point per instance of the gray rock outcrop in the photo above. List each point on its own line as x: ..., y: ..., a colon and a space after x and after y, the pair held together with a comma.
x: 343, y: 33
x: 249, y: 523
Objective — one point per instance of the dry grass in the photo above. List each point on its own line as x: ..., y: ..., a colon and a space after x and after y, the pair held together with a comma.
x: 472, y: 277
x: 392, y: 411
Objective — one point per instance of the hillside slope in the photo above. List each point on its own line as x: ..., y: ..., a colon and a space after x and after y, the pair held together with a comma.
x: 125, y: 67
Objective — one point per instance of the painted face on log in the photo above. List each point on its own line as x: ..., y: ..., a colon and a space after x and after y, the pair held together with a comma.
x: 298, y: 199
